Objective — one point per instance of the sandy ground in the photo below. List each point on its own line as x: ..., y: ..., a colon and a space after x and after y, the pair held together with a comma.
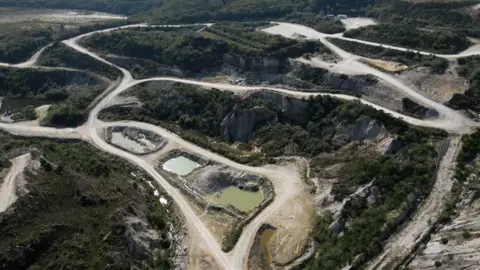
x: 353, y: 23
x: 13, y: 181
x: 438, y: 87
x: 294, y: 227
x: 401, y: 244
x: 387, y: 65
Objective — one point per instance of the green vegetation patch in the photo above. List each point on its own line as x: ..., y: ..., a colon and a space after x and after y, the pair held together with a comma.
x: 430, y: 15
x: 470, y: 100
x: 71, y: 92
x: 20, y: 40
x: 74, y: 214
x: 60, y: 55
x: 447, y: 42
x: 200, y: 52
x: 437, y: 65
x: 193, y: 11
x: 17, y: 47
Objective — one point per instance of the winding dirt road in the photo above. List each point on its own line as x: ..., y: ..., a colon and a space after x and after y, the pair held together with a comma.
x: 449, y: 120
x: 11, y: 182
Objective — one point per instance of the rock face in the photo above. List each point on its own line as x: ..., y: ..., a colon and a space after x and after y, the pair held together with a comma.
x: 330, y: 80
x: 141, y: 239
x: 367, y: 129
x: 291, y: 108
x: 214, y: 178
x: 239, y: 123
x: 354, y: 84
x: 270, y: 64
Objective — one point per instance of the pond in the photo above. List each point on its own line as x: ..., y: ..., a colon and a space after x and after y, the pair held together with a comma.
x: 238, y: 198
x: 124, y: 142
x: 180, y: 165
x: 265, y: 238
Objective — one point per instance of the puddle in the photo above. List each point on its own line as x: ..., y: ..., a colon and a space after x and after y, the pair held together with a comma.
x: 131, y: 145
x: 238, y: 198
x: 180, y: 165
x: 265, y: 238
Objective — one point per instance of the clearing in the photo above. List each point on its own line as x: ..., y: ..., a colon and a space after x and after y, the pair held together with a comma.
x: 353, y: 23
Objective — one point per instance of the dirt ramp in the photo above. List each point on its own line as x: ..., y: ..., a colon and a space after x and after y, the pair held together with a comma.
x: 13, y: 181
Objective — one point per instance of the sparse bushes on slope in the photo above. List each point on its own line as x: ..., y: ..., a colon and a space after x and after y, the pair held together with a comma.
x: 409, y: 58
x: 446, y: 42
x: 74, y: 215
x: 59, y: 55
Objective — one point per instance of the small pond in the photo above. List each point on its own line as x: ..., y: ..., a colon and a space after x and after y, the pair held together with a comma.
x: 238, y: 198
x: 131, y: 145
x: 180, y: 165
x: 265, y: 238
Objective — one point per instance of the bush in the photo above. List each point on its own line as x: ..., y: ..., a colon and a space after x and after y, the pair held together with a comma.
x: 444, y: 241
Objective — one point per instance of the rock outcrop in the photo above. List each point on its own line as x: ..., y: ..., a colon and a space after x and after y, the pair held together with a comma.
x: 238, y: 125
x: 367, y: 129
x: 291, y: 108
x: 270, y: 64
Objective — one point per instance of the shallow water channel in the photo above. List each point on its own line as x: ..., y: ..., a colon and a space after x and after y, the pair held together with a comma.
x: 180, y: 165
x: 238, y: 198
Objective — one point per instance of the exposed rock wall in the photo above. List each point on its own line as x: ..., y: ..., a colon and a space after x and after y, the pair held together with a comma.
x: 238, y: 125
x: 270, y: 64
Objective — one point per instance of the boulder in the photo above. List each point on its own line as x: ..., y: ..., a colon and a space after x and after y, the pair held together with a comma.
x: 335, y: 227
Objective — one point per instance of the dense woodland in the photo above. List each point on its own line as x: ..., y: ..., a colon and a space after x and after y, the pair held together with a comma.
x: 470, y: 100
x: 436, y: 64
x: 203, y: 112
x: 430, y: 15
x: 401, y: 179
x: 70, y: 92
x: 18, y: 45
x: 60, y: 55
x: 196, y: 52
x: 74, y: 214
x: 446, y: 42
x: 209, y: 10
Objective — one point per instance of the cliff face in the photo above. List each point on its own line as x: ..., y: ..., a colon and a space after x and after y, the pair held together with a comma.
x: 238, y: 125
x: 270, y: 64
x: 292, y: 108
